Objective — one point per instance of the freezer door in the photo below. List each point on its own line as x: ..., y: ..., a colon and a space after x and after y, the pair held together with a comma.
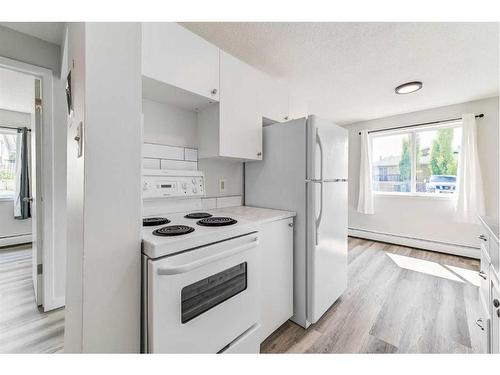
x: 327, y: 148
x: 327, y: 246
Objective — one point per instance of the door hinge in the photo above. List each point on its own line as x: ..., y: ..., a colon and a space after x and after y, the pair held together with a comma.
x: 38, y: 103
x: 39, y: 269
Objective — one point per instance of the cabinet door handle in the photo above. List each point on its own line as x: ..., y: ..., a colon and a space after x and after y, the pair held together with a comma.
x: 496, y: 303
x: 259, y: 153
x: 483, y: 237
x: 479, y: 323
x: 483, y: 274
x: 214, y: 91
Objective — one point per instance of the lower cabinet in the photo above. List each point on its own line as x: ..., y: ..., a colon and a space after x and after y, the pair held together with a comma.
x: 495, y: 315
x: 483, y: 324
x: 277, y: 275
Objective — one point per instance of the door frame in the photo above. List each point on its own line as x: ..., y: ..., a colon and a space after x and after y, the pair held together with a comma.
x: 48, y: 297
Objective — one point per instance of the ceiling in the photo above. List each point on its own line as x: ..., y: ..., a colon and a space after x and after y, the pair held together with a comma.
x: 348, y: 71
x: 52, y: 32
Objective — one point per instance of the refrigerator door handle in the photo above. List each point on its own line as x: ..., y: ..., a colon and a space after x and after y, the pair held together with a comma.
x: 320, y: 145
x: 320, y: 216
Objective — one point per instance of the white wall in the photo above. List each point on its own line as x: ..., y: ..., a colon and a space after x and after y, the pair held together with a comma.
x: 31, y: 50
x: 427, y: 218
x: 171, y: 125
x: 104, y: 200
x: 17, y: 91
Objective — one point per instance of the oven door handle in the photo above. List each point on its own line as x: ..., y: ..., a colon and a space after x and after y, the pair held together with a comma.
x: 176, y: 269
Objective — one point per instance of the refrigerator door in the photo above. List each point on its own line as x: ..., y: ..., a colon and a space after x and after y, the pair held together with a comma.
x: 327, y: 147
x: 327, y: 215
x: 327, y: 246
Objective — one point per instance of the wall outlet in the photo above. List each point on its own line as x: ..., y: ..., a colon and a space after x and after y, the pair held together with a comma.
x: 222, y: 185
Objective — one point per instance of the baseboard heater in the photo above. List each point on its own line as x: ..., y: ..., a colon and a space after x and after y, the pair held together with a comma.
x: 18, y: 239
x: 442, y: 247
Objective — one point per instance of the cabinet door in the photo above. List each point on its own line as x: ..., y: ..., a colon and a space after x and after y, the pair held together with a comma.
x: 274, y: 99
x: 240, y: 128
x: 484, y: 274
x: 277, y: 275
x: 178, y: 57
x: 495, y: 315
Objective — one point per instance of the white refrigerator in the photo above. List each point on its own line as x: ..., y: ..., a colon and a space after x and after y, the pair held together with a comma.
x: 304, y: 169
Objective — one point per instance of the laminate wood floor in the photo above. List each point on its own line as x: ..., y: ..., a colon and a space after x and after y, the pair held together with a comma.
x: 398, y: 300
x: 23, y: 327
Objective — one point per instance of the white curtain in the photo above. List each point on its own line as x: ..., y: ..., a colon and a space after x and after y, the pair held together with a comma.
x: 365, y: 199
x: 470, y: 201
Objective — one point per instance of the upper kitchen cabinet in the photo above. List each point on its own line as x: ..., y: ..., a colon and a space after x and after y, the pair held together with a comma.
x: 274, y: 99
x: 240, y: 113
x: 173, y: 55
x: 232, y: 128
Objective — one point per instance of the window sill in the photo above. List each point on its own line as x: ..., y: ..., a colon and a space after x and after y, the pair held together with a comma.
x: 417, y: 195
x: 6, y: 199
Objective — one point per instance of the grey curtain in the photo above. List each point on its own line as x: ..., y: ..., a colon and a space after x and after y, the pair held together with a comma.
x: 22, y: 205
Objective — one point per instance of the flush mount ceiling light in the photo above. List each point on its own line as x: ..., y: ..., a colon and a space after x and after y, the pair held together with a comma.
x: 408, y: 87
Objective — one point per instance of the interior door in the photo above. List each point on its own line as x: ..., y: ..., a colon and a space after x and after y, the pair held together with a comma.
x: 327, y: 149
x: 36, y: 180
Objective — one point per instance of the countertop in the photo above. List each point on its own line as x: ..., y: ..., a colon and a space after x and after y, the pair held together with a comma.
x: 492, y: 225
x: 255, y: 214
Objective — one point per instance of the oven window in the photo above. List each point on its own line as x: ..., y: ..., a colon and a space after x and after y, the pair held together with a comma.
x: 211, y: 291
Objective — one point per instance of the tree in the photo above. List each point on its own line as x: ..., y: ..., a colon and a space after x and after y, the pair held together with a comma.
x: 442, y: 160
x: 405, y: 162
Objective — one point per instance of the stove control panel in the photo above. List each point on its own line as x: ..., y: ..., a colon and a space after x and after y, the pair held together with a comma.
x: 164, y: 183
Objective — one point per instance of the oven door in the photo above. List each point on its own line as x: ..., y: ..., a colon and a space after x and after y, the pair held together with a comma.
x: 201, y: 300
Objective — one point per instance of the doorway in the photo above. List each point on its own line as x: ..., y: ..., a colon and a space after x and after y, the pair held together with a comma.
x: 28, y: 321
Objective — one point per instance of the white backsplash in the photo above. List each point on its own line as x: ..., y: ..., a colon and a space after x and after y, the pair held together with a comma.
x: 158, y: 156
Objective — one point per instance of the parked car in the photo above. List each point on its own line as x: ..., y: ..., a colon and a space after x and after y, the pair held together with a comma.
x: 441, y: 184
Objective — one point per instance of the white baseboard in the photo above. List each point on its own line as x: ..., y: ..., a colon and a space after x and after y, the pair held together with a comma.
x: 15, y: 240
x: 441, y: 247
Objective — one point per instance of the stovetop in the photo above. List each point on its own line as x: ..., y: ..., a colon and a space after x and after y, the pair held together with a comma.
x: 197, y: 215
x: 173, y: 230
x: 183, y: 233
x: 217, y: 221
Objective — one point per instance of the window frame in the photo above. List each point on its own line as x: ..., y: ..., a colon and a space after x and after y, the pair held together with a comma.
x: 413, y: 178
x: 12, y: 197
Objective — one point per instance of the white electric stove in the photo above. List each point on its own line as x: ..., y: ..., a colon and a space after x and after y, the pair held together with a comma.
x: 200, y: 273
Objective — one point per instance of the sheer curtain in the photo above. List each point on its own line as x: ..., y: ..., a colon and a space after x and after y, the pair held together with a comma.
x: 365, y: 199
x: 470, y: 201
x: 22, y: 205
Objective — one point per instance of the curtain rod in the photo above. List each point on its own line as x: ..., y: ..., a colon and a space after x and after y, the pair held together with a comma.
x: 13, y: 127
x: 421, y: 124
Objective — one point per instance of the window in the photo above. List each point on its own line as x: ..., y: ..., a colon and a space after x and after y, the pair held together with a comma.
x: 8, y: 141
x: 419, y: 161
